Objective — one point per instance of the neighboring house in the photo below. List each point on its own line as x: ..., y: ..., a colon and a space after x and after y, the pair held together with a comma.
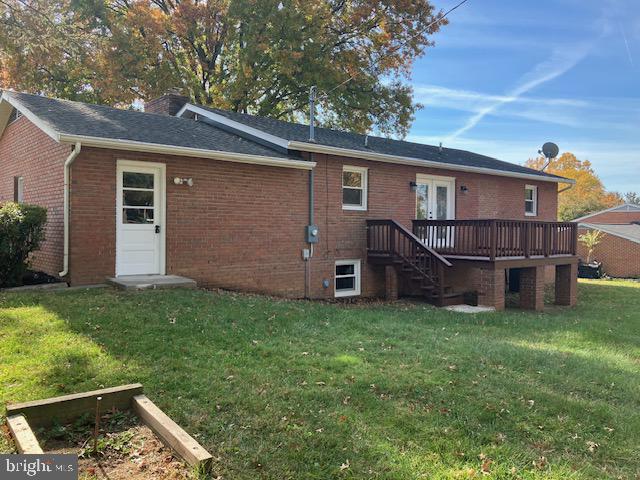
x: 225, y: 198
x: 619, y: 248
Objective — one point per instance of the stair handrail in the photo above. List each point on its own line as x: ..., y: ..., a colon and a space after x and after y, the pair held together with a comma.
x: 413, y: 237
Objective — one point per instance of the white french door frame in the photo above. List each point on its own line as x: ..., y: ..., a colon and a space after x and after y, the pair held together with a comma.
x: 125, y: 165
x: 434, y: 181
x: 439, y: 236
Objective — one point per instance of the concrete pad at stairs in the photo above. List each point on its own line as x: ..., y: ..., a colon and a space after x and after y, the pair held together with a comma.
x: 469, y: 309
x: 143, y: 282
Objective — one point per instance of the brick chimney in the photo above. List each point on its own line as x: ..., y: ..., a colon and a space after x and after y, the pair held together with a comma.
x: 168, y: 104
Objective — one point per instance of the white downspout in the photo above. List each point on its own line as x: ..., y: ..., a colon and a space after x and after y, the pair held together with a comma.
x: 67, y: 173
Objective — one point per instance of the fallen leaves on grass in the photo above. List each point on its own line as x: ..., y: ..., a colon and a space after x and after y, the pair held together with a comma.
x: 592, y: 446
x: 541, y: 463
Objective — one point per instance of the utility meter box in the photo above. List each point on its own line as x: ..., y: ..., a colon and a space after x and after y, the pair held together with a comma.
x: 312, y: 233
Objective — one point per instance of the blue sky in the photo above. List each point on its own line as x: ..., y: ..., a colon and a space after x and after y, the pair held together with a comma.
x: 507, y: 76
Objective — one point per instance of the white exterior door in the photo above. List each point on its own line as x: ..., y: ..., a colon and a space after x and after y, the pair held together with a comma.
x: 435, y: 200
x: 435, y: 197
x: 140, y: 218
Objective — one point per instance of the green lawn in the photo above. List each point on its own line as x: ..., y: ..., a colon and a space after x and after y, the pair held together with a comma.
x: 291, y: 389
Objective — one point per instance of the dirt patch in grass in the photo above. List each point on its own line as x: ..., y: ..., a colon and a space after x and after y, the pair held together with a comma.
x: 126, y: 449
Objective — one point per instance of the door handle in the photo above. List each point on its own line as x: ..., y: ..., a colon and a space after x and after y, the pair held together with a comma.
x: 157, y: 228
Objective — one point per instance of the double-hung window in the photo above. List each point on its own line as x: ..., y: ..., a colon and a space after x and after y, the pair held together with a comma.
x: 347, y: 278
x: 354, y: 188
x: 530, y: 200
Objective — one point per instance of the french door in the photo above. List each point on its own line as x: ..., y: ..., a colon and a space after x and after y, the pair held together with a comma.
x: 435, y: 200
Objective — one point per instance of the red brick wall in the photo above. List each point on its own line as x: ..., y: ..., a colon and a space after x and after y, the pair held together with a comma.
x: 242, y: 226
x: 614, y: 217
x: 343, y: 232
x: 28, y: 152
x: 239, y: 226
x: 619, y: 257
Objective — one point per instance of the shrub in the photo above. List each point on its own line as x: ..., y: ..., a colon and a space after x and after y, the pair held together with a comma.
x: 21, y: 232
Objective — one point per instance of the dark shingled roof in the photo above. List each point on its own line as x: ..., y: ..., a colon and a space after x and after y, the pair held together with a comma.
x: 354, y: 141
x: 75, y: 118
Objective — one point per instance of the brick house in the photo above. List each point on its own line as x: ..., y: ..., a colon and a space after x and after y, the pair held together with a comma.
x: 249, y: 203
x: 619, y: 248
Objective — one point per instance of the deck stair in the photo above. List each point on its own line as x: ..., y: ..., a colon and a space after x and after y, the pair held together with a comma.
x: 390, y: 243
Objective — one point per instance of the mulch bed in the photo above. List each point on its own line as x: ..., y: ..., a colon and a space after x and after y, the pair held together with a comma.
x: 38, y: 278
x: 127, y: 449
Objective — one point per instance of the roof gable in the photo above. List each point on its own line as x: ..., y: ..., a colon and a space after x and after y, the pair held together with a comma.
x: 106, y: 127
x: 625, y: 207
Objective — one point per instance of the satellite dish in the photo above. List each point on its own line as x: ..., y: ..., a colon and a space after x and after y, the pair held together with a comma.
x: 550, y: 150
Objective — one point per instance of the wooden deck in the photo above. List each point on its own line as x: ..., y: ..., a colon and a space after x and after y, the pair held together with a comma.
x: 446, y: 259
x: 495, y: 240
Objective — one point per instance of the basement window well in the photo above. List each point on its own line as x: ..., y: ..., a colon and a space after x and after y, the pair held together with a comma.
x: 347, y: 278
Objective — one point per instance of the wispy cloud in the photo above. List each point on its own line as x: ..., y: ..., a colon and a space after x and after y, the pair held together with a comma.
x: 560, y: 62
x: 626, y: 43
x: 455, y: 97
x: 562, y: 111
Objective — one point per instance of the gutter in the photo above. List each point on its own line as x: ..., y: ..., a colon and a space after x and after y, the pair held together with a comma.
x: 67, y: 172
x: 381, y: 157
x: 265, y: 138
x: 135, y: 146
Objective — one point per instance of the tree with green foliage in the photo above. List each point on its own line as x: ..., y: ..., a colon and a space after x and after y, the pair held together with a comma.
x: 255, y: 56
x: 21, y: 232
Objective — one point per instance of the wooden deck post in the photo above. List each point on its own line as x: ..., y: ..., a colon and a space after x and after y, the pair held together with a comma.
x: 493, y: 239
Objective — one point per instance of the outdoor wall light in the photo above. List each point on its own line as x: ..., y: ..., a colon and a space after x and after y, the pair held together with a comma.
x: 464, y: 189
x: 183, y: 181
x: 413, y: 186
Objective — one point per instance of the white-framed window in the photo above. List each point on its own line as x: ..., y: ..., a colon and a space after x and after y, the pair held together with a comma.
x: 530, y: 200
x: 347, y: 278
x: 18, y: 189
x: 354, y: 188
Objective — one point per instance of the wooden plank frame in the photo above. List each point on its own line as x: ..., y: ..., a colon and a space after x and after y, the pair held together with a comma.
x: 170, y: 432
x: 22, y: 417
x: 44, y: 413
x: 26, y: 442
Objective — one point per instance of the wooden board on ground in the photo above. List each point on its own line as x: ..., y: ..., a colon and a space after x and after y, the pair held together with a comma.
x: 23, y: 436
x: 171, y: 433
x: 43, y: 413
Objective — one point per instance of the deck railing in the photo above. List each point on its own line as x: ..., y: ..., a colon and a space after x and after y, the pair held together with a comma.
x: 389, y: 239
x: 498, y: 238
